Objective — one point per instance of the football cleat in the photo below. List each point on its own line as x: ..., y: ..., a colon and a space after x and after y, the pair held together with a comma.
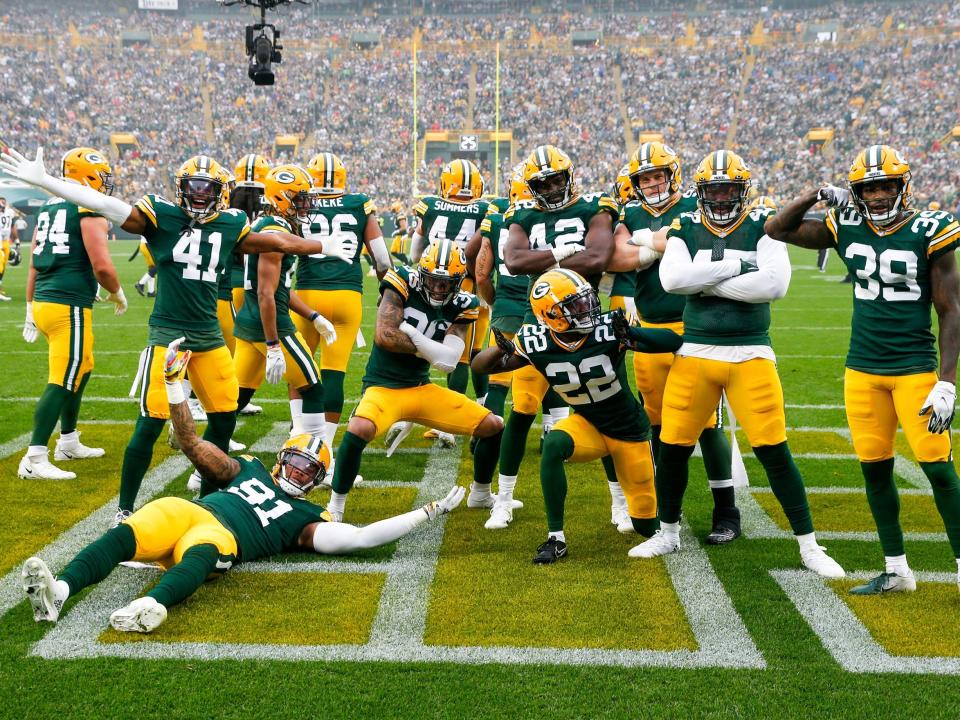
x: 396, y: 435
x: 816, y: 559
x: 120, y: 517
x: 42, y: 469
x: 197, y: 411
x: 4, y: 298
x: 446, y: 440
x: 886, y: 582
x: 551, y: 551
x: 500, y: 516
x: 75, y: 450
x: 251, y: 409
x: 659, y: 544
x: 723, y: 532
x: 194, y: 482
x: 235, y: 446
x: 42, y: 591
x: 620, y: 516
x: 139, y: 288
x: 142, y: 615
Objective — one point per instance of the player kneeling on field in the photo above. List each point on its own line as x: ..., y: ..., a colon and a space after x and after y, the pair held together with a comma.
x: 255, y: 513
x: 581, y: 354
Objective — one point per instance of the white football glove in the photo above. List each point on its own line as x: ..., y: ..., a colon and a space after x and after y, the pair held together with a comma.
x: 441, y: 507
x: 940, y: 405
x: 565, y: 251
x: 276, y: 364
x: 324, y: 327
x: 833, y: 196
x: 118, y: 299
x: 396, y: 434
x: 333, y: 246
x: 174, y: 366
x: 630, y: 310
x: 31, y: 172
x: 646, y: 257
x: 642, y: 238
x: 30, y: 332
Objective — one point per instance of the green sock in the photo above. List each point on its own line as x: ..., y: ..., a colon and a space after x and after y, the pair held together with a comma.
x: 787, y: 485
x: 332, y: 381
x: 458, y: 379
x: 47, y: 412
x: 557, y: 447
x: 182, y: 580
x: 220, y: 427
x: 645, y: 527
x: 481, y: 381
x: 884, y: 505
x: 496, y: 399
x: 314, y: 398
x: 349, y: 455
x: 717, y: 461
x: 244, y: 397
x: 71, y: 408
x: 514, y: 442
x: 608, y: 468
x: 137, y: 457
x: 655, y: 442
x: 551, y: 400
x: 946, y: 494
x: 99, y: 558
x: 672, y: 478
x: 485, y: 457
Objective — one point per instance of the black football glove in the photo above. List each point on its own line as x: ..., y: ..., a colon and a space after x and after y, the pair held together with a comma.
x: 505, y: 346
x: 621, y: 326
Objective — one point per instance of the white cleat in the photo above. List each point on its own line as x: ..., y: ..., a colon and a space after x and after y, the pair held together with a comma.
x: 42, y: 469
x: 4, y: 298
x: 620, y: 517
x: 42, y: 591
x: 659, y: 544
x: 816, y: 559
x: 251, y: 409
x: 120, y: 517
x: 887, y: 582
x: 75, y: 450
x: 235, y: 446
x: 196, y: 410
x: 396, y: 435
x: 500, y: 516
x: 194, y: 482
x: 335, y: 516
x: 445, y: 439
x: 142, y: 615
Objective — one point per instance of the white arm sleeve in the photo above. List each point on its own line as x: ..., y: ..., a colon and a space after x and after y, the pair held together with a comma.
x: 443, y: 356
x: 111, y: 208
x: 770, y: 282
x: 680, y: 275
x: 332, y: 538
x: 416, y: 247
x: 381, y: 256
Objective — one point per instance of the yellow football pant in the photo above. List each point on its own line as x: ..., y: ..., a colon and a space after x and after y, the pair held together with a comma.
x: 165, y: 529
x: 237, y: 299
x: 875, y: 403
x: 529, y: 387
x: 147, y: 255
x: 251, y: 363
x: 344, y: 308
x: 4, y: 256
x: 226, y: 316
x: 69, y: 333
x: 211, y: 374
x: 430, y: 405
x: 694, y: 388
x: 503, y: 378
x: 477, y: 334
x: 633, y: 462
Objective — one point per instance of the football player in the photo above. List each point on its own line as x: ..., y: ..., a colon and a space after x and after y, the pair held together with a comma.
x: 189, y: 240
x: 581, y: 354
x: 398, y: 240
x: 654, y: 172
x: 8, y: 231
x: 455, y: 213
x: 146, y: 286
x: 731, y: 270
x: 558, y: 227
x: 331, y: 287
x: 256, y: 513
x: 902, y: 261
x: 423, y: 321
x: 69, y: 257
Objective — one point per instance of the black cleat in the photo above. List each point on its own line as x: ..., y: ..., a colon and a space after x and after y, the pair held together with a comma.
x: 724, y: 531
x: 153, y: 294
x: 139, y: 288
x: 551, y: 551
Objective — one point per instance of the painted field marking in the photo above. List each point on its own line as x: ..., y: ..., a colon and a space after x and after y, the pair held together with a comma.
x: 843, y: 634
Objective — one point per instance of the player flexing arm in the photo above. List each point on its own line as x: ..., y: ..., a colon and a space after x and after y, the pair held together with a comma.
x: 592, y: 260
x: 480, y: 265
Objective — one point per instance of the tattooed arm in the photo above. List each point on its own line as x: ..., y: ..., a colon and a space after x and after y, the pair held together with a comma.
x: 389, y: 318
x: 214, y: 464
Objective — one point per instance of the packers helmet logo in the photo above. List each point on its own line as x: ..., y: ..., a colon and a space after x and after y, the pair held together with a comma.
x: 669, y: 150
x: 95, y: 158
x: 540, y: 290
x: 285, y: 176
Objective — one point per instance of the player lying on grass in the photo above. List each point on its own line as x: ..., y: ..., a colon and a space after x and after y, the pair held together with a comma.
x: 255, y: 513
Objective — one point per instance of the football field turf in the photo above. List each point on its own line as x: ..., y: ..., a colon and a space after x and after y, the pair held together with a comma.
x: 454, y: 620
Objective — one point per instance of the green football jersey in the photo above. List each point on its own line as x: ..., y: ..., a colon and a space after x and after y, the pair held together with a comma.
x: 557, y: 228
x: 225, y: 281
x: 655, y: 304
x: 248, y: 325
x: 498, y: 205
x: 190, y: 257
x: 389, y: 369
x: 891, y: 332
x: 345, y: 216
x: 512, y: 298
x: 591, y: 378
x: 624, y: 283
x: 64, y: 273
x: 712, y: 320
x: 263, y: 519
x: 443, y: 219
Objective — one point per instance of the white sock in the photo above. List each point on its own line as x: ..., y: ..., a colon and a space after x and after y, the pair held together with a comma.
x: 897, y: 564
x: 187, y: 387
x: 670, y: 530
x: 958, y: 566
x: 37, y: 452
x: 558, y: 535
x: 482, y: 399
x: 151, y: 284
x: 505, y: 486
x: 617, y: 498
x: 807, y: 542
x: 477, y: 492
x: 61, y: 589
x: 296, y: 410
x: 330, y: 434
x: 716, y: 484
x: 145, y: 278
x: 70, y: 438
x: 337, y: 502
x: 313, y: 424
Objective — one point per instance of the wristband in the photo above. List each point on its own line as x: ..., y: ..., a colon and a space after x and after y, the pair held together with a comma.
x: 175, y: 394
x: 312, y: 317
x: 273, y: 343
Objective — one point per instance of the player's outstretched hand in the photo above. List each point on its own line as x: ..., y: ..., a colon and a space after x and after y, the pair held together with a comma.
x: 30, y: 171
x: 621, y: 326
x: 441, y: 507
x: 175, y: 363
x: 504, y: 345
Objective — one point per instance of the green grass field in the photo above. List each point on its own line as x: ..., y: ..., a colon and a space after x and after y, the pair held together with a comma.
x: 455, y: 621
